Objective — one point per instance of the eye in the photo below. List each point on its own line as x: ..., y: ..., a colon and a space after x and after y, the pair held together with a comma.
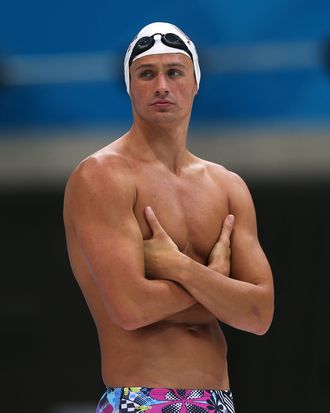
x: 146, y: 74
x: 174, y: 73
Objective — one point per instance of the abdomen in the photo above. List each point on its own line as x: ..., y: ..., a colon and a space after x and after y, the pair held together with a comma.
x: 169, y: 353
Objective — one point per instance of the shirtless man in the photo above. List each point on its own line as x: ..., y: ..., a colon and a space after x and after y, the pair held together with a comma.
x: 149, y: 237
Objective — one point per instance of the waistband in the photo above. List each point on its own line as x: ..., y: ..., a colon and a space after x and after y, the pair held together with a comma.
x: 165, y: 400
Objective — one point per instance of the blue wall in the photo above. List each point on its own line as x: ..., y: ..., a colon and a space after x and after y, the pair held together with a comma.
x: 275, y: 49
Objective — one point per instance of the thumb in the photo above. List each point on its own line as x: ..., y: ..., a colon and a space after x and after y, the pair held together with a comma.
x: 153, y: 222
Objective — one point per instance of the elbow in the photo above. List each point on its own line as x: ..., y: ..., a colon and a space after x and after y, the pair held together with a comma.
x: 128, y: 321
x: 131, y: 324
x: 127, y: 313
x: 263, y: 322
x: 262, y: 328
x: 262, y: 313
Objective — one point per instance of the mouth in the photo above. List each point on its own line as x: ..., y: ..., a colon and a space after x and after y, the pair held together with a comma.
x: 162, y: 103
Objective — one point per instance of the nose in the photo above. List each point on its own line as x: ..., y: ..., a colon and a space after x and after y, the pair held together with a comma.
x: 161, y: 87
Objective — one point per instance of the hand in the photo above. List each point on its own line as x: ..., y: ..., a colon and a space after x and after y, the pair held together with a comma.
x: 159, y: 249
x: 219, y: 259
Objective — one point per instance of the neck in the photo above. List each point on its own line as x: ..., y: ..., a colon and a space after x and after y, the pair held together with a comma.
x: 163, y: 143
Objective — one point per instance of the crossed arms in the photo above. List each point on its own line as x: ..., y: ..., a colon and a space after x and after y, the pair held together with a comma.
x: 142, y: 282
x: 241, y: 304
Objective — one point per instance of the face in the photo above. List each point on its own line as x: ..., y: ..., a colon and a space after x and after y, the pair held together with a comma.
x: 163, y: 87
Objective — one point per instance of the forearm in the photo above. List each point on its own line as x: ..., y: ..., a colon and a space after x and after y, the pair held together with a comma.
x: 239, y: 304
x: 157, y: 300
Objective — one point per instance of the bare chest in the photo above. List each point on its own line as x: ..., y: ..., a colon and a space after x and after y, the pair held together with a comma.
x: 190, y: 208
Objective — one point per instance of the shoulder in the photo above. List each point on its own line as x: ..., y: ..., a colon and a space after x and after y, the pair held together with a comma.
x: 102, y: 175
x: 240, y: 202
x: 239, y: 197
x: 231, y: 183
x: 104, y: 166
x: 225, y: 176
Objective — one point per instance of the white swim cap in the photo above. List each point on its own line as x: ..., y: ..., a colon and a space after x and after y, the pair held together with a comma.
x: 155, y: 31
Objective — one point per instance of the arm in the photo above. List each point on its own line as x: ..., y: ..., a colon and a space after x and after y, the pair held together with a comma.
x: 98, y: 208
x: 243, y: 301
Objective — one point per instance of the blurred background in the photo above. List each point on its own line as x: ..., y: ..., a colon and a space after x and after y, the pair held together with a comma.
x: 263, y: 110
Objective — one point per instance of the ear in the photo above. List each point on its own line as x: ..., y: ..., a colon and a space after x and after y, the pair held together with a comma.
x: 195, y: 88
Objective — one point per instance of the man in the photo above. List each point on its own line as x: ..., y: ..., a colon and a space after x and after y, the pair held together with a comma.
x: 148, y: 229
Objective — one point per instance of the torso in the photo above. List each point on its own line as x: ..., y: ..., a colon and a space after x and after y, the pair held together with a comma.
x: 187, y: 350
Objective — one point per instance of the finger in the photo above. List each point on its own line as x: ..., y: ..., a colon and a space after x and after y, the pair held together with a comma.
x: 153, y: 222
x: 227, y: 228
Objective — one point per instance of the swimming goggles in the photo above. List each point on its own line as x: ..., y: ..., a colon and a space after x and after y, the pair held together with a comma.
x: 169, y: 39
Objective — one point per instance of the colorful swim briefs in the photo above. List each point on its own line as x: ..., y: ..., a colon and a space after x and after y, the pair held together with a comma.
x: 163, y: 400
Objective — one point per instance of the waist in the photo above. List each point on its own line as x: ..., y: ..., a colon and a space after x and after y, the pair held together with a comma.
x: 180, y: 340
x: 179, y: 357
x: 182, y: 355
